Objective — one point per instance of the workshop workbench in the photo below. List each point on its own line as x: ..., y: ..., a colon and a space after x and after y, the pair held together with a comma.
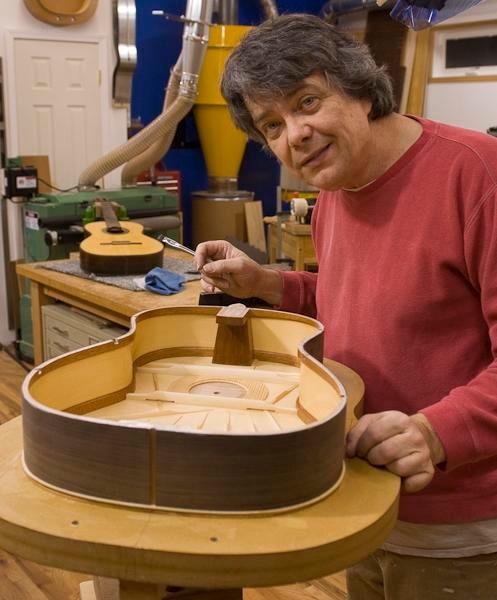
x: 107, y: 301
x: 146, y: 549
x: 291, y: 240
x: 296, y: 243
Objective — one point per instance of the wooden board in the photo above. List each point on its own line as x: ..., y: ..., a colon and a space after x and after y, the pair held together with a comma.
x: 296, y: 228
x: 106, y: 301
x: 255, y: 225
x: 42, y: 165
x: 193, y: 550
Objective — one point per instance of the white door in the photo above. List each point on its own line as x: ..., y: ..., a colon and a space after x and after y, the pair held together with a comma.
x: 58, y: 104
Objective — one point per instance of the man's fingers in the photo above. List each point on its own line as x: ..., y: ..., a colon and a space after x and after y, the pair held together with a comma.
x: 410, y: 464
x: 415, y: 483
x: 207, y: 287
x: 223, y: 283
x: 355, y: 434
x: 415, y: 469
x: 393, y: 440
x: 386, y: 426
x: 370, y: 430
x: 213, y: 250
x: 224, y: 267
x: 202, y: 254
x: 397, y: 447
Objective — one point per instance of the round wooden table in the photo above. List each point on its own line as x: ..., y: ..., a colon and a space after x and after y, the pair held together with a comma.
x: 145, y: 548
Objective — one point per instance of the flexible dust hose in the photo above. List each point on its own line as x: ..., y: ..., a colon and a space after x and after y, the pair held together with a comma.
x: 156, y: 151
x: 160, y: 127
x: 270, y: 9
x: 195, y: 38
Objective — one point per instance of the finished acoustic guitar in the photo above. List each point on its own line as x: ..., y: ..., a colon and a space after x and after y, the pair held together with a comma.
x: 116, y: 247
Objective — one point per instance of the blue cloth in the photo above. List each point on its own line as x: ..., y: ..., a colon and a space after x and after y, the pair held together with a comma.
x: 163, y: 282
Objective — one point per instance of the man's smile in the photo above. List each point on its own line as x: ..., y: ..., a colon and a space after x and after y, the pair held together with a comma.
x: 313, y: 159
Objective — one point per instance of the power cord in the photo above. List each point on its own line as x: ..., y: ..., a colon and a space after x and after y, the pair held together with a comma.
x: 20, y: 201
x: 53, y: 187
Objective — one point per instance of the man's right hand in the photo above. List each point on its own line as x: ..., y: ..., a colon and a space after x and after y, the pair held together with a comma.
x: 225, y: 267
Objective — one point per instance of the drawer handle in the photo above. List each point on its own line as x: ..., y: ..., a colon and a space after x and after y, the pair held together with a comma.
x: 61, y: 346
x: 60, y: 331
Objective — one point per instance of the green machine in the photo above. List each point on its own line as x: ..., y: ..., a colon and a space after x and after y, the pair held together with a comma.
x: 53, y: 227
x: 53, y: 223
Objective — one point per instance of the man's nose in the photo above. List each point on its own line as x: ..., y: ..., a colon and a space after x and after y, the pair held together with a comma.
x: 298, y: 131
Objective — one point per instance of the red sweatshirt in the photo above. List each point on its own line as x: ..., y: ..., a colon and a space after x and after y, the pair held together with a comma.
x: 407, y: 292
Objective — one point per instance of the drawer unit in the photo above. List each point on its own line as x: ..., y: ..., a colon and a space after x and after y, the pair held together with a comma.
x: 57, y: 344
x: 66, y: 328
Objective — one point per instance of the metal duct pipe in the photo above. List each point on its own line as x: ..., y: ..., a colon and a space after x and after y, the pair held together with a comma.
x: 195, y: 38
x: 335, y: 8
x: 270, y: 9
x: 226, y: 11
x: 183, y: 81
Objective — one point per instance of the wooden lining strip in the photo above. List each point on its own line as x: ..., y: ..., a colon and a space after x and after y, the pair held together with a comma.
x: 100, y: 402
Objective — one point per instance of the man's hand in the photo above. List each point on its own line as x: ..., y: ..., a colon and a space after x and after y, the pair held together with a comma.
x: 225, y: 267
x: 406, y: 446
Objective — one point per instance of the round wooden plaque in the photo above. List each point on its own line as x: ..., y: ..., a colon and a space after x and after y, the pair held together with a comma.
x: 62, y: 12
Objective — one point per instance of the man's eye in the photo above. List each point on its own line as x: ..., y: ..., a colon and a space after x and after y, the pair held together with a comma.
x: 271, y: 127
x: 309, y: 101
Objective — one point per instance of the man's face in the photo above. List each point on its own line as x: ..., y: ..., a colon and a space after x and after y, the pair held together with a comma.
x: 318, y: 133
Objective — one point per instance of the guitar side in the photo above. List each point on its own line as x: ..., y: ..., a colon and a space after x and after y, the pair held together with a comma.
x: 119, y: 253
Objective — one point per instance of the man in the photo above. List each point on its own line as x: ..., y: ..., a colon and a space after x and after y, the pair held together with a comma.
x: 405, y: 231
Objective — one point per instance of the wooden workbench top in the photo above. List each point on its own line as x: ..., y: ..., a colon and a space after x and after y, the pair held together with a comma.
x: 117, y: 300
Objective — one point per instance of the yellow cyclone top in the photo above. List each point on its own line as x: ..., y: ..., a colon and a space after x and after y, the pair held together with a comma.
x: 222, y: 144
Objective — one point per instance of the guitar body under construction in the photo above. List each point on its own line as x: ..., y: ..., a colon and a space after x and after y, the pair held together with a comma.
x: 195, y: 409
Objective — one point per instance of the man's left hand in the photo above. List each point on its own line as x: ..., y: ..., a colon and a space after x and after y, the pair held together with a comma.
x: 398, y: 442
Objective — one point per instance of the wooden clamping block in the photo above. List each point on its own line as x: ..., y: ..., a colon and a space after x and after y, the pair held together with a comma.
x: 233, y: 340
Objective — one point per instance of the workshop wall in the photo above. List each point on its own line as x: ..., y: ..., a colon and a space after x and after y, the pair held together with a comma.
x: 159, y: 44
x: 15, y: 17
x: 476, y: 104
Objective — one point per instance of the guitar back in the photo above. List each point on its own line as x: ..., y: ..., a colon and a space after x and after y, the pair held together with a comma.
x: 123, y: 252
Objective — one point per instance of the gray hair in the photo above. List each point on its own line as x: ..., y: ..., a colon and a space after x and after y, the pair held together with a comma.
x: 273, y: 59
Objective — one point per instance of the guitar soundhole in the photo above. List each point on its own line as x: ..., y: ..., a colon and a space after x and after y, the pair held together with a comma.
x: 115, y: 230
x: 219, y: 388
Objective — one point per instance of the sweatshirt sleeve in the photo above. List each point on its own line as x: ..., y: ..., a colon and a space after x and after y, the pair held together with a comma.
x: 466, y: 419
x: 299, y: 292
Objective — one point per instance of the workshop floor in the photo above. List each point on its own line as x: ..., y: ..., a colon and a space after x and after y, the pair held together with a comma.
x: 24, y: 580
